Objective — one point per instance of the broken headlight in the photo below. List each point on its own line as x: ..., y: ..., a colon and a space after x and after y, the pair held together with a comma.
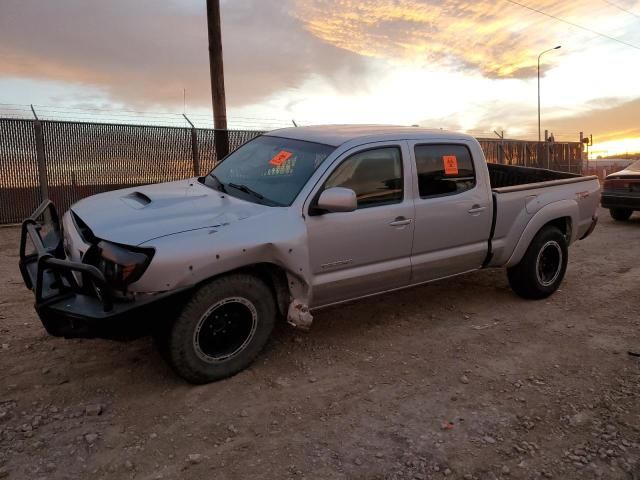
x: 122, y: 265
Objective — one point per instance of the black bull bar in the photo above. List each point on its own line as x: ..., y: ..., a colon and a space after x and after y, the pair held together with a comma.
x: 74, y: 299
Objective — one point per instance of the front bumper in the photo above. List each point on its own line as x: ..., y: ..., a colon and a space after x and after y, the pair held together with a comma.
x: 67, y: 307
x: 629, y: 201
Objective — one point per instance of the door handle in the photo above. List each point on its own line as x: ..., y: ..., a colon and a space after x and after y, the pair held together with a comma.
x: 400, y: 221
x: 476, y: 209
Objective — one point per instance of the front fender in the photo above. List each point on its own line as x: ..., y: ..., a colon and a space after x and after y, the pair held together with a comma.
x: 553, y: 211
x: 186, y: 259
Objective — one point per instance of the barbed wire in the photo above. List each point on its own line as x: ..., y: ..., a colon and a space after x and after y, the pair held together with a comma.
x: 203, y: 120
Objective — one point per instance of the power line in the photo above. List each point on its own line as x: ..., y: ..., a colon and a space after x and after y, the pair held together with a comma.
x: 621, y: 8
x: 586, y: 29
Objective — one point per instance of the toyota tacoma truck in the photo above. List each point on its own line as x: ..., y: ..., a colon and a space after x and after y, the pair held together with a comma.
x: 293, y: 221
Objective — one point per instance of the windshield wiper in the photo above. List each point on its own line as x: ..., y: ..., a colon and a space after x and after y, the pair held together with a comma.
x: 220, y: 186
x: 245, y: 189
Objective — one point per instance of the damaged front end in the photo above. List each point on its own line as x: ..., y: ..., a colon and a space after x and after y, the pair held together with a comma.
x: 299, y: 315
x: 82, y: 298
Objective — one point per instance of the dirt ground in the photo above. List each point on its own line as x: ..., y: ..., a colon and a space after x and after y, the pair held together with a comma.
x: 459, y: 379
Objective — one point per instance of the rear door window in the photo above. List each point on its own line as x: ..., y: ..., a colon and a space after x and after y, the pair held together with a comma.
x: 444, y: 169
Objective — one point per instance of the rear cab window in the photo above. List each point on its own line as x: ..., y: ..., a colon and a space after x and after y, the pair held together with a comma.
x: 444, y: 169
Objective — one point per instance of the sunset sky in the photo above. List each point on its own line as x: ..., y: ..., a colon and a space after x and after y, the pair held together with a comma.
x: 458, y: 64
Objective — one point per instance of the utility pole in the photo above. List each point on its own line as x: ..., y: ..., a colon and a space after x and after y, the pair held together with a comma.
x: 217, y: 79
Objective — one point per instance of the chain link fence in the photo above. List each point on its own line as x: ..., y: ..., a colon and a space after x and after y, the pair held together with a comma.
x: 19, y: 192
x: 80, y: 159
x: 72, y: 160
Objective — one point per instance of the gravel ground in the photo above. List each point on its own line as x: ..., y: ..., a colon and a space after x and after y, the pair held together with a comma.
x: 459, y: 379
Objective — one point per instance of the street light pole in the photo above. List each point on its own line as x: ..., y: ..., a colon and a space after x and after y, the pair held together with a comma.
x: 554, y: 48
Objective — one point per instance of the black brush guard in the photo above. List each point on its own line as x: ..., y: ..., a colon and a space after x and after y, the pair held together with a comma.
x: 48, y: 273
x: 66, y: 307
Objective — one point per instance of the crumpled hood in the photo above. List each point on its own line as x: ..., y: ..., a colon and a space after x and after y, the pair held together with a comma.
x: 136, y: 215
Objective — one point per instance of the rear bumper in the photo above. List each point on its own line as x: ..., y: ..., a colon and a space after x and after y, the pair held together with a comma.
x: 630, y: 201
x: 67, y: 307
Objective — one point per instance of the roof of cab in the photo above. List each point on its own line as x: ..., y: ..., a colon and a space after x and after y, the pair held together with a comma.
x: 336, y: 135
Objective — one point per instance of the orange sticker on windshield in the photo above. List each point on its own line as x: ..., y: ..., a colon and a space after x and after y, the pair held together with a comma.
x: 280, y: 157
x: 450, y: 164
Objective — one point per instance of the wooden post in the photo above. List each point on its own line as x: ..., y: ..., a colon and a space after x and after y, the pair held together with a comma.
x: 216, y: 69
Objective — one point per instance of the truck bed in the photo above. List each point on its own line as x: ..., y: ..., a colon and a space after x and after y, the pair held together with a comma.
x: 519, y: 193
x: 502, y: 176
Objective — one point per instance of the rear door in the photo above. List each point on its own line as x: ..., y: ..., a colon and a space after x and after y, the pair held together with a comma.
x: 366, y: 251
x: 453, y: 210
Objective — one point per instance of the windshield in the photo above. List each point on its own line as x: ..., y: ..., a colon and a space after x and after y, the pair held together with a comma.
x: 268, y: 170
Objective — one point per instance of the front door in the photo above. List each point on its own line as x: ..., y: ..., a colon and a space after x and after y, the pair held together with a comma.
x: 366, y: 251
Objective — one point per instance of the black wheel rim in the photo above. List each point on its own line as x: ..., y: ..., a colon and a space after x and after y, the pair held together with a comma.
x: 549, y: 263
x: 225, y: 329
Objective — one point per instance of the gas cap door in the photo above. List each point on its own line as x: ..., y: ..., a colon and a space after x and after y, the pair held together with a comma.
x: 532, y: 204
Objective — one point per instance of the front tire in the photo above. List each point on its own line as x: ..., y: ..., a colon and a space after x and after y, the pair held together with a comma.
x: 222, y: 329
x: 620, y: 214
x: 541, y: 270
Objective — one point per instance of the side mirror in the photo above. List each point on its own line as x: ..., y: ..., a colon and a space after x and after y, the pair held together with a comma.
x: 338, y: 199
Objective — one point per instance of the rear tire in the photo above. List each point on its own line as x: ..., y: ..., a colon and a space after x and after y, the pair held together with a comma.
x: 620, y: 214
x: 222, y: 329
x: 541, y: 270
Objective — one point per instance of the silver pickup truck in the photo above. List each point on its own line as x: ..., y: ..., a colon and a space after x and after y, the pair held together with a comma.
x: 292, y: 221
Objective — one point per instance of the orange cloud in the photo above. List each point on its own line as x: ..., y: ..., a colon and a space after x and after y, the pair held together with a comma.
x: 499, y: 39
x: 618, y: 122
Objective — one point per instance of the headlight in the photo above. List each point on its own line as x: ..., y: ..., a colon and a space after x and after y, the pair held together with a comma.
x: 122, y: 265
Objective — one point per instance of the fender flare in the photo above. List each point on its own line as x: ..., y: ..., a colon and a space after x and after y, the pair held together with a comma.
x: 548, y: 213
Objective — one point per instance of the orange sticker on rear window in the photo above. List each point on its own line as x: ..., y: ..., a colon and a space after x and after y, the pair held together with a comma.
x: 450, y: 164
x: 280, y: 157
